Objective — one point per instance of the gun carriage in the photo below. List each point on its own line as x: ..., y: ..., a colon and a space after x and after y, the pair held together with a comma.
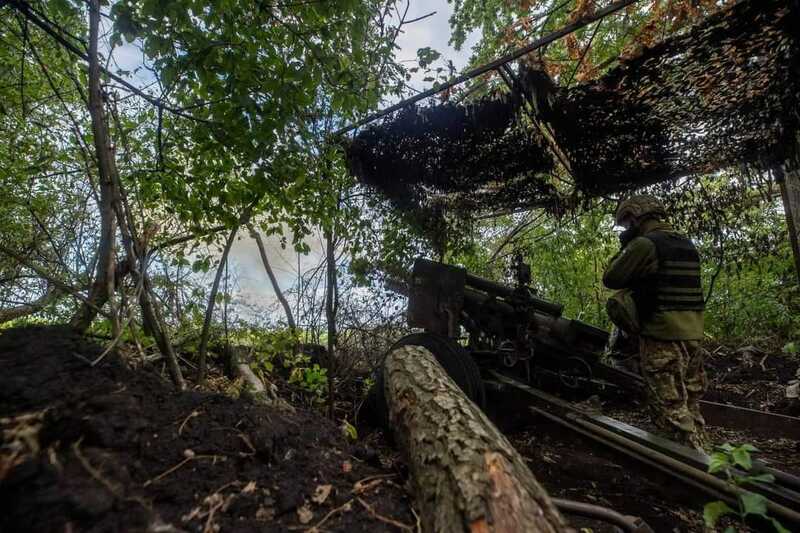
x: 473, y: 325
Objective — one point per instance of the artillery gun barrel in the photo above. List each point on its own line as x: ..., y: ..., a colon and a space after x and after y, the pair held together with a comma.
x: 543, y: 306
x: 475, y: 299
x: 546, y: 323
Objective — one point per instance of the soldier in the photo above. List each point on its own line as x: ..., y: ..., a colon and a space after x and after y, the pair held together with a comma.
x: 661, y: 269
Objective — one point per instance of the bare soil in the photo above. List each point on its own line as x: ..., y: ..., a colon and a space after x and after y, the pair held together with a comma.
x: 116, y: 449
x: 112, y: 449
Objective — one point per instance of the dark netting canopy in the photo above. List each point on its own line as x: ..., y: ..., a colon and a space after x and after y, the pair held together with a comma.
x: 469, y: 155
x: 725, y: 93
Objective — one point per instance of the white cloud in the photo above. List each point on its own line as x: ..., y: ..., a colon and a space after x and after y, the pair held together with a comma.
x: 254, y: 285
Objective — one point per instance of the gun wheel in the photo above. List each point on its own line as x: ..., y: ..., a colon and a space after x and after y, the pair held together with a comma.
x: 574, y: 372
x: 455, y: 360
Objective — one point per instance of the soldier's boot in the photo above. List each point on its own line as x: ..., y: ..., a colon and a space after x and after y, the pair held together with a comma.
x: 700, y: 440
x: 679, y: 424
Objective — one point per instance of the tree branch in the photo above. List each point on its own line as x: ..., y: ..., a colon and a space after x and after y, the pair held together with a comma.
x: 45, y: 275
x: 187, y: 238
x: 48, y: 27
x: 210, y: 307
x: 278, y: 292
x: 52, y: 294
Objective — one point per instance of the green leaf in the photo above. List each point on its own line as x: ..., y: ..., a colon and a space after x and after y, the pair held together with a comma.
x: 426, y: 56
x: 742, y: 457
x: 349, y: 430
x: 760, y: 478
x: 62, y: 7
x: 717, y: 462
x: 753, y: 503
x: 201, y: 265
x: 713, y: 511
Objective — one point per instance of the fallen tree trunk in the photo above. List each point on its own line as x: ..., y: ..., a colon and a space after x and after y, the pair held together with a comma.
x: 467, y: 476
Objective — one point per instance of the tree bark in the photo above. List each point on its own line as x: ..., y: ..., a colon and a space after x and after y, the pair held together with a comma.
x: 210, y: 308
x: 275, y: 287
x: 137, y: 264
x: 240, y: 357
x: 102, y: 288
x: 331, y: 301
x: 467, y: 476
x: 791, y: 205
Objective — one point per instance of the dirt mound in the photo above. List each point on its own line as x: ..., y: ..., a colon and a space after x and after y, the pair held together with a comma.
x: 112, y: 449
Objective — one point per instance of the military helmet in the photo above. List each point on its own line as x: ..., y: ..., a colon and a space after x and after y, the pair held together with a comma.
x: 638, y: 206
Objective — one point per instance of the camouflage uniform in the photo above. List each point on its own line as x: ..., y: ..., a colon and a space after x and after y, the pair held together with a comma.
x: 676, y: 381
x: 671, y: 359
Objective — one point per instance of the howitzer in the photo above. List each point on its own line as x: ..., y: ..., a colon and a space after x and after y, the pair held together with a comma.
x: 474, y: 324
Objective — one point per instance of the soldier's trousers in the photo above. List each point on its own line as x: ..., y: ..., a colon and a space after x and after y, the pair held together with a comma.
x: 676, y: 380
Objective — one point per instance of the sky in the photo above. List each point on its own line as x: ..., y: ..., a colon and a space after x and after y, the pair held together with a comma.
x: 245, y: 263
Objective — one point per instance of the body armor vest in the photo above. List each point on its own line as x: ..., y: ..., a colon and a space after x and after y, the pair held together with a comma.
x: 676, y: 286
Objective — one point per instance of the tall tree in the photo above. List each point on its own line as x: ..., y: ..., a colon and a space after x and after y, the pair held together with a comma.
x: 103, y: 287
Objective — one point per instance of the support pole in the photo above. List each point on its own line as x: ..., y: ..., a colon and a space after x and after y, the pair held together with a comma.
x: 788, y: 177
x: 790, y: 192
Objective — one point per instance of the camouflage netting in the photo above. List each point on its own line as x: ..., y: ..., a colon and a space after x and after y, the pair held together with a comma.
x: 726, y: 93
x: 429, y: 155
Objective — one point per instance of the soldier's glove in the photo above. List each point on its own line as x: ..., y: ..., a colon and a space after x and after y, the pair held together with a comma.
x: 627, y: 236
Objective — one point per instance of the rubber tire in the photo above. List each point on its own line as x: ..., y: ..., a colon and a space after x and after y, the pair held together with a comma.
x: 455, y: 360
